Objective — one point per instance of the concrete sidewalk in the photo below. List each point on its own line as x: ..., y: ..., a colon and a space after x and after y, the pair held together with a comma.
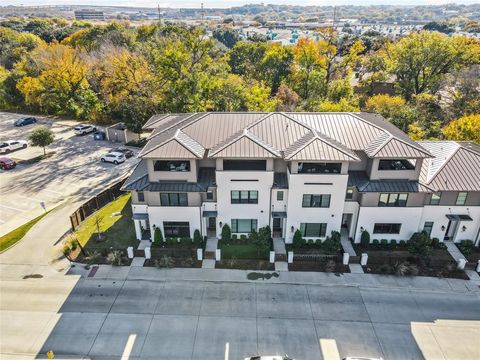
x: 292, y: 277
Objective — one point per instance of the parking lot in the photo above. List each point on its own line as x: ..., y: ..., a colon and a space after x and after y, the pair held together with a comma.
x: 74, y: 170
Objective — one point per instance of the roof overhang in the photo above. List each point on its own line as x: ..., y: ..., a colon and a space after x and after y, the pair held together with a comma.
x: 279, y: 214
x: 458, y: 217
x: 210, y: 213
x: 140, y: 217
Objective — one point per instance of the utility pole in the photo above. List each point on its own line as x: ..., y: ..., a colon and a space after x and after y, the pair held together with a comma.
x: 334, y: 17
x: 159, y: 15
x: 202, y: 13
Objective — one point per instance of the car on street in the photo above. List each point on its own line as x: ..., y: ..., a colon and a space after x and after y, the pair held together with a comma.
x: 113, y: 157
x: 84, y: 129
x: 127, y: 152
x: 6, y: 163
x: 27, y: 120
x: 11, y: 145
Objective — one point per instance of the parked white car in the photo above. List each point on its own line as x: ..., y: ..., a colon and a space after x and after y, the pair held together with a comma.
x: 11, y: 145
x: 84, y: 129
x: 113, y: 157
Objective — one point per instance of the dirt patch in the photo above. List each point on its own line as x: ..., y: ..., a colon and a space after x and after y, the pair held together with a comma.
x: 178, y: 263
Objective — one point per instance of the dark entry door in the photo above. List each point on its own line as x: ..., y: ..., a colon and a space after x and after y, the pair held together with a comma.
x: 212, y: 221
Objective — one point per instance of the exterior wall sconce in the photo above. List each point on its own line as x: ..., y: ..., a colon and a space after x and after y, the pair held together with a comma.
x: 464, y: 228
x: 220, y: 224
x: 443, y: 227
x: 362, y: 229
x: 154, y: 226
x: 292, y: 228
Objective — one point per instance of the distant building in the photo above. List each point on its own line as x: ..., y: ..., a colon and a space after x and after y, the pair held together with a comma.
x: 89, y: 15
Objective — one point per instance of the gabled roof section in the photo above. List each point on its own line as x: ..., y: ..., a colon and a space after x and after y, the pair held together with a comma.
x: 279, y: 130
x: 245, y: 145
x: 151, y: 123
x: 173, y: 122
x: 178, y: 146
x: 314, y: 146
x: 455, y: 166
x: 387, y: 146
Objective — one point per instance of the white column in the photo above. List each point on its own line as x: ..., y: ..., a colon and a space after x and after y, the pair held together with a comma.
x: 138, y: 229
x: 218, y: 255
x: 290, y: 257
x: 148, y: 254
x: 199, y: 254
x: 130, y: 252
x: 346, y: 258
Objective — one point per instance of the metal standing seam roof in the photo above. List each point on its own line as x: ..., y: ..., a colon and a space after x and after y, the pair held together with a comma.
x: 245, y: 146
x: 359, y: 179
x: 394, y: 148
x: 457, y: 167
x: 150, y: 124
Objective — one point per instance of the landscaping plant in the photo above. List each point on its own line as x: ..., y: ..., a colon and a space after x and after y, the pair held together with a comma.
x: 164, y: 262
x: 157, y: 236
x: 365, y: 238
x: 420, y: 245
x: 41, y: 136
x: 226, y: 233
x: 197, y: 238
x: 466, y: 247
x: 115, y: 258
x: 297, y: 239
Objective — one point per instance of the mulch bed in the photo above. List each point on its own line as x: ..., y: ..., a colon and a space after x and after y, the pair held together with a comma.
x: 244, y: 264
x: 178, y: 263
x: 318, y: 266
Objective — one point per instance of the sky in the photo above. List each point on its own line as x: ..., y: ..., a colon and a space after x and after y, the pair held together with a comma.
x: 228, y: 3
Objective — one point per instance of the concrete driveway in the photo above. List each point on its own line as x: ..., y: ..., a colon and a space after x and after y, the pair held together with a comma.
x: 139, y: 319
x: 74, y: 170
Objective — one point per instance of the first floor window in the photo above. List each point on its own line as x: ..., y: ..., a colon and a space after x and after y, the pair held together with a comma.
x: 176, y: 229
x: 244, y: 197
x: 393, y: 200
x: 244, y: 225
x: 313, y: 229
x: 427, y: 227
x: 312, y: 200
x: 174, y: 199
x: 141, y: 196
x: 387, y: 228
x: 461, y: 198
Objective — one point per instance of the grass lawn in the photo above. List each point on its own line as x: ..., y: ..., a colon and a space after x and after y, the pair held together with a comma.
x: 241, y: 251
x: 118, y: 230
x: 12, y: 237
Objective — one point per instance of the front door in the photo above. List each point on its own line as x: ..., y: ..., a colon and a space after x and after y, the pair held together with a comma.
x: 451, y: 229
x: 277, y: 227
x: 212, y: 223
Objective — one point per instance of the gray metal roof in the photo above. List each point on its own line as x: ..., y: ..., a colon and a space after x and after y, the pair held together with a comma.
x: 360, y: 180
x: 455, y: 167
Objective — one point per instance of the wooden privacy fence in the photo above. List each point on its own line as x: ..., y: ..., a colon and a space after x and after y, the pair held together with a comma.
x: 95, y: 203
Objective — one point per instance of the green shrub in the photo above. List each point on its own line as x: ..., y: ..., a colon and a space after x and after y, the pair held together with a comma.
x: 466, y: 247
x: 393, y: 243
x: 265, y: 233
x: 311, y: 242
x: 332, y: 245
x: 318, y: 242
x: 375, y: 242
x: 365, y: 238
x: 226, y: 233
x: 115, y: 258
x: 157, y: 236
x: 164, y: 262
x: 243, y: 237
x: 402, y: 243
x: 197, y: 238
x: 234, y: 237
x: 384, y: 242
x: 297, y: 239
x: 186, y: 241
x: 335, y: 235
x: 435, y: 242
x: 171, y: 241
x: 420, y: 244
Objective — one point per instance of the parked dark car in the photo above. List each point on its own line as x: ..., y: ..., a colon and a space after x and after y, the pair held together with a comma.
x: 25, y: 121
x: 6, y: 163
x: 127, y: 152
x: 99, y: 135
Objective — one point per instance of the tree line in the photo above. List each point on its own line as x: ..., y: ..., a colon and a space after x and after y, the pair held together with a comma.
x: 118, y: 72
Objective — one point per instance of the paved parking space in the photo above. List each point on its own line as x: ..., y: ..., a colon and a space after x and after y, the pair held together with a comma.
x: 74, y: 170
x: 205, y: 320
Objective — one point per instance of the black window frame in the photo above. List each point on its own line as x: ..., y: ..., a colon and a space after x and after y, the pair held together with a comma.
x: 249, y: 199
x: 387, y: 228
x: 141, y: 196
x: 166, y: 165
x: 319, y: 168
x: 234, y: 226
x: 244, y: 165
x: 437, y: 200
x: 397, y: 203
x: 395, y: 165
x: 209, y: 195
x: 428, y: 229
x: 180, y: 226
x: 174, y: 199
x: 315, y: 199
x: 322, y: 230
x: 280, y: 195
x: 464, y: 199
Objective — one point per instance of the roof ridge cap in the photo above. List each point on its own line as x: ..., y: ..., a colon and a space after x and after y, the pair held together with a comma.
x: 385, y: 142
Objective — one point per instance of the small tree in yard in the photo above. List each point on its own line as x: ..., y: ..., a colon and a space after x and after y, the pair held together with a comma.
x: 259, y: 241
x: 297, y: 239
x: 41, y: 136
x: 226, y: 233
x: 420, y: 245
x: 365, y: 238
x: 157, y: 236
x: 97, y: 220
x: 197, y: 237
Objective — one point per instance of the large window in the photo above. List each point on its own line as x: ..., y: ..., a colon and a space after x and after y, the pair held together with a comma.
x: 387, y: 228
x: 279, y: 195
x: 393, y: 200
x: 461, y: 198
x: 175, y: 165
x: 174, y: 199
x: 176, y: 229
x: 427, y: 227
x: 244, y: 225
x: 244, y: 197
x: 245, y: 165
x: 312, y: 200
x: 395, y: 164
x: 319, y: 168
x: 435, y: 199
x: 313, y: 229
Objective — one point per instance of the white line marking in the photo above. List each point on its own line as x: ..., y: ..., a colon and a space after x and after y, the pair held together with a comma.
x: 12, y: 208
x: 52, y: 191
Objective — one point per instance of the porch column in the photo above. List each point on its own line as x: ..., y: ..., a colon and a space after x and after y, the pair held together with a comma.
x: 138, y: 229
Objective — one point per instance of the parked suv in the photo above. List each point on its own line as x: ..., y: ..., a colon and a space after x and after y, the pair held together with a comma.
x: 84, y: 129
x: 25, y: 121
x: 6, y: 163
x: 11, y: 145
x: 127, y: 152
x: 113, y: 157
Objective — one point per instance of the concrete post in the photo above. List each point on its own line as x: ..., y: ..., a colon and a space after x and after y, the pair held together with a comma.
x: 148, y: 253
x: 290, y: 257
x: 217, y: 255
x: 130, y: 252
x: 346, y: 258
x: 364, y: 259
x: 461, y: 264
x: 478, y: 266
x: 199, y: 254
x: 272, y: 256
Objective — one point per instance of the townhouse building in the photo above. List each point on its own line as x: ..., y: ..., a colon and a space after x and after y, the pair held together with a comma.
x: 315, y: 172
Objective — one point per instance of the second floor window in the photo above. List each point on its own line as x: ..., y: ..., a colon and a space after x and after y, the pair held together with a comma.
x: 244, y: 197
x: 171, y: 165
x: 312, y: 200
x: 461, y: 198
x: 141, y: 196
x: 319, y: 168
x: 174, y: 199
x: 393, y: 200
x: 395, y: 164
x: 435, y: 199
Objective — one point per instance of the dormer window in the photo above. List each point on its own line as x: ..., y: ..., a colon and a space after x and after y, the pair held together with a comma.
x: 396, y: 164
x: 319, y: 168
x: 171, y: 165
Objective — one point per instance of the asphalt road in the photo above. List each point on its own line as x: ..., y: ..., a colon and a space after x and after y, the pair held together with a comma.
x: 204, y: 320
x: 74, y: 170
